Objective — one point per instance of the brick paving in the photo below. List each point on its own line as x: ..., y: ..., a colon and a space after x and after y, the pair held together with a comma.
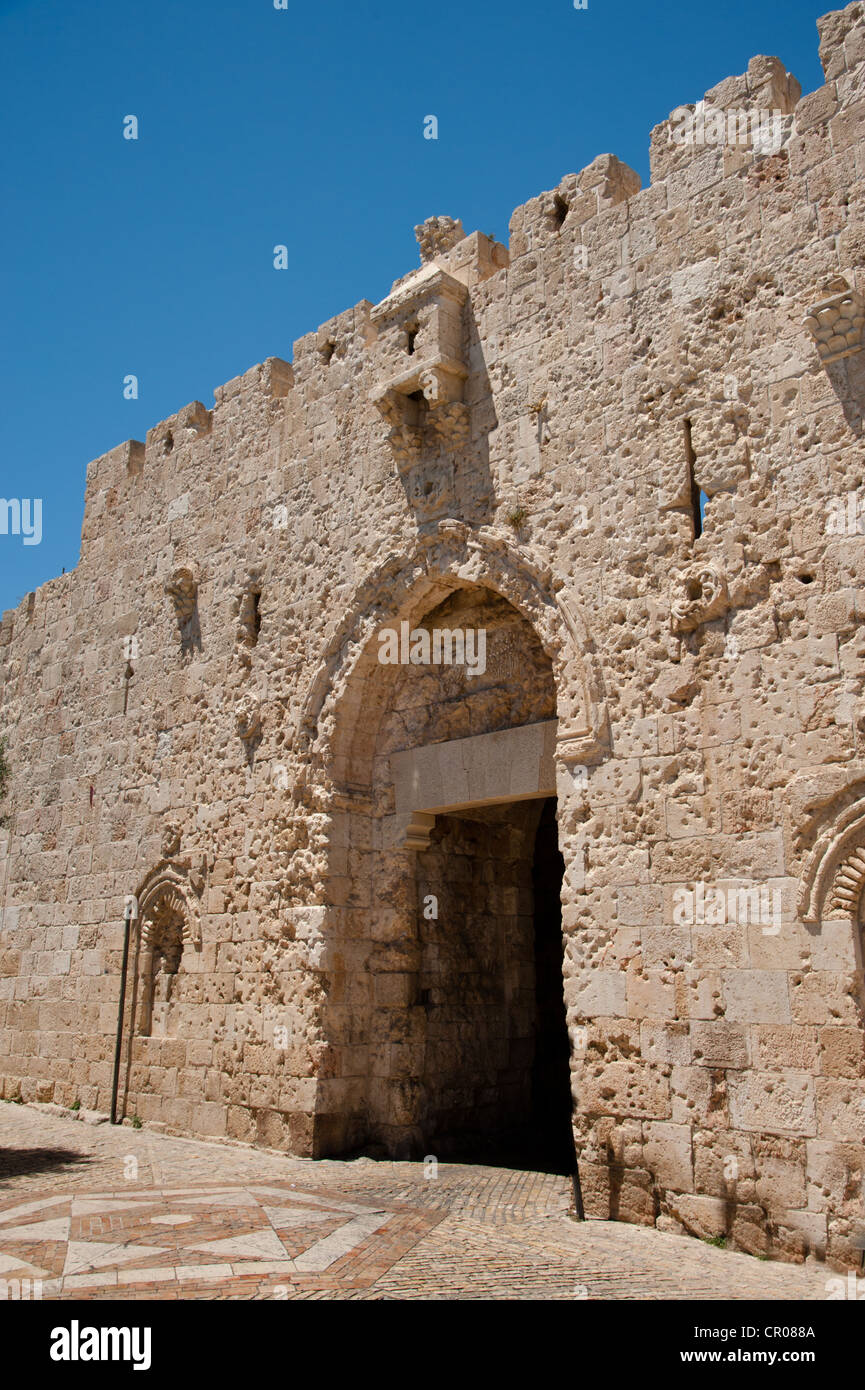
x: 100, y: 1212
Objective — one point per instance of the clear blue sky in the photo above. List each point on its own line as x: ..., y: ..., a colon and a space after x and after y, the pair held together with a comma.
x: 300, y: 126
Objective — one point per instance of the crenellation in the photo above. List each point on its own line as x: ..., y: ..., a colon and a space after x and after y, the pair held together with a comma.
x: 841, y: 34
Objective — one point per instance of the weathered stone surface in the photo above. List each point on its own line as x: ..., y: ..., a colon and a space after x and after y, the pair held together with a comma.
x: 623, y: 456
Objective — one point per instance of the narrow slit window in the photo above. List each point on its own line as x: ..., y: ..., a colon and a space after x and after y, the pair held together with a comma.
x: 698, y: 497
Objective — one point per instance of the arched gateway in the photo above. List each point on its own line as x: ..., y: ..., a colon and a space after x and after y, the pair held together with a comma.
x: 444, y: 724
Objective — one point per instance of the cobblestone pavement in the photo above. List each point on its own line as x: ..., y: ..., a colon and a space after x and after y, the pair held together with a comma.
x: 99, y: 1212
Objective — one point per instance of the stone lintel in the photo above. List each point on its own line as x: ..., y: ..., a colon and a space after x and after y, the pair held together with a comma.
x: 486, y: 770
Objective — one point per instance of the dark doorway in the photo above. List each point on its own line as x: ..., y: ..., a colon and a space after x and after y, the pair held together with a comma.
x: 496, y: 1058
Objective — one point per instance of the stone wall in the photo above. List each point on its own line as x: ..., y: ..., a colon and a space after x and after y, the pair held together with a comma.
x: 196, y: 715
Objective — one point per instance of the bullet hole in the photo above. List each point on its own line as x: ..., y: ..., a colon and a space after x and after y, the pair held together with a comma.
x: 806, y: 578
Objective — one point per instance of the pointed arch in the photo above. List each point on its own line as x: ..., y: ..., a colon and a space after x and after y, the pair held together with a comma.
x: 834, y: 872
x: 167, y: 889
x: 410, y: 583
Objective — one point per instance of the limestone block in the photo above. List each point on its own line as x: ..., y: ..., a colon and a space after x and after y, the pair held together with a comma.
x: 665, y: 1042
x: 614, y: 1193
x: 624, y: 1088
x: 774, y: 1102
x: 781, y: 1168
x: 756, y: 996
x: 651, y: 993
x: 801, y: 1233
x: 724, y: 1164
x: 705, y: 1217
x: 699, y: 1096
x: 842, y: 1052
x: 833, y: 1168
x: 639, y: 905
x: 840, y: 1108
x: 785, y: 1047
x: 720, y: 1044
x: 817, y: 996
x: 598, y: 994
x: 667, y: 1154
x: 666, y: 947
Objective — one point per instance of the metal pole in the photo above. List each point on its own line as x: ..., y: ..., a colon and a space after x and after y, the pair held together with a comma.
x: 129, y: 911
x: 578, y: 1193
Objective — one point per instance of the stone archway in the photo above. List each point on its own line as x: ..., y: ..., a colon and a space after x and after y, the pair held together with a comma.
x: 169, y: 920
x: 407, y: 585
x: 390, y: 1067
x: 832, y: 883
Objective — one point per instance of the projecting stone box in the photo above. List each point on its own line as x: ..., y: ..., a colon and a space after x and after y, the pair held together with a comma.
x: 420, y: 353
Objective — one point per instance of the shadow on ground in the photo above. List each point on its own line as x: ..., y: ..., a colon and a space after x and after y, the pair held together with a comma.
x: 17, y: 1163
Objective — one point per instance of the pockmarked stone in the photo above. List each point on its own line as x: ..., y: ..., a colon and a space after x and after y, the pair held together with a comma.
x: 463, y: 721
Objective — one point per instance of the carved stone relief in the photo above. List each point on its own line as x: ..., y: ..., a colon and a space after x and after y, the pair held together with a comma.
x: 699, y: 594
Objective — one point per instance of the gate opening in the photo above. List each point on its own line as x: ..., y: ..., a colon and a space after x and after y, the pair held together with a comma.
x: 496, y: 1082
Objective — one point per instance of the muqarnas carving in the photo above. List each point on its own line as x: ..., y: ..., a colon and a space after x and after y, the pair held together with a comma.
x: 833, y: 877
x: 836, y: 322
x: 699, y: 594
x: 169, y: 920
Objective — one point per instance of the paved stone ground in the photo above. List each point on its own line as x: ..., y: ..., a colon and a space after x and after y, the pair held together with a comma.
x: 100, y: 1212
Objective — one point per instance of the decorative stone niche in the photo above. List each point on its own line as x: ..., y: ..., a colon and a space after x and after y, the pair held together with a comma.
x: 833, y: 876
x: 170, y: 920
x: 836, y: 322
x: 248, y: 618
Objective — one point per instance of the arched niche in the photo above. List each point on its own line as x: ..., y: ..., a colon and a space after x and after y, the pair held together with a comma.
x: 169, y: 921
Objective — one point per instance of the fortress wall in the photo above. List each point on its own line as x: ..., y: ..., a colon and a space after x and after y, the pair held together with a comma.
x: 629, y: 346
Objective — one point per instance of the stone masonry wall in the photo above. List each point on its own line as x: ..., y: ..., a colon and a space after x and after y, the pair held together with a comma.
x: 196, y: 716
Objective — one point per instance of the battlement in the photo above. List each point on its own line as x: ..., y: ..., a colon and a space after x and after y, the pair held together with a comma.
x: 755, y: 126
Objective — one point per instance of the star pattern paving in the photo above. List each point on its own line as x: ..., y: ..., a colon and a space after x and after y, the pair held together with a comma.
x: 256, y: 1239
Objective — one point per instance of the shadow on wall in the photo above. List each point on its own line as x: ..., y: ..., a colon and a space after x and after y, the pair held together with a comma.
x: 847, y: 379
